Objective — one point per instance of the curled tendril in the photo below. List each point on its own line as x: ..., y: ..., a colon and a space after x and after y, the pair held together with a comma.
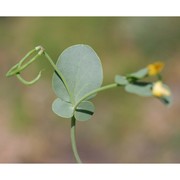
x: 19, y: 67
x: 29, y: 82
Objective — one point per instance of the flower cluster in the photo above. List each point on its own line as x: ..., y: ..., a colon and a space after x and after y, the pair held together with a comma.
x: 133, y: 83
x: 158, y: 89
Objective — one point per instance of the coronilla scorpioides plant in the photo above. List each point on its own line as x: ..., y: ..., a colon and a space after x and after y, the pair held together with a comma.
x: 78, y: 77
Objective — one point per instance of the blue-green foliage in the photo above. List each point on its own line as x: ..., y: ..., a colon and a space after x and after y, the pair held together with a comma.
x: 82, y: 72
x: 133, y: 84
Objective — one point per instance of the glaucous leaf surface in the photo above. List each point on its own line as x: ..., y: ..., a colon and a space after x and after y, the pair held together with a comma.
x: 142, y: 89
x: 84, y: 111
x: 139, y: 74
x: 82, y: 70
x: 121, y: 80
x: 62, y: 108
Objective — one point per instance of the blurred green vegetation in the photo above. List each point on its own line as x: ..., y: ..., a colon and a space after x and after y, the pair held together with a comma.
x: 125, y: 127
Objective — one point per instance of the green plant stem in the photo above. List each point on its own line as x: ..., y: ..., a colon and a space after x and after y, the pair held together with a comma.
x: 29, y: 62
x: 159, y: 77
x: 73, y: 140
x: 60, y: 75
x: 29, y: 82
x: 110, y: 86
x: 17, y: 68
x: 73, y: 120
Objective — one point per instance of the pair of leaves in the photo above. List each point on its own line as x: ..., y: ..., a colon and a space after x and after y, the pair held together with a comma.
x: 65, y: 109
x: 138, y: 88
x: 125, y: 80
x: 132, y: 85
x: 82, y: 70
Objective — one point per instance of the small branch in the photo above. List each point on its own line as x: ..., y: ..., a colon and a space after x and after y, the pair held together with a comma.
x: 60, y: 75
x: 17, y: 68
x: 110, y: 86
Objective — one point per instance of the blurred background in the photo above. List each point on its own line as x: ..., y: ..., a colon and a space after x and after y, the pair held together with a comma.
x: 125, y: 128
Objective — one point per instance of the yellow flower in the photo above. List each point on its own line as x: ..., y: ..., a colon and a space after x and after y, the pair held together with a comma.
x: 159, y: 90
x: 154, y: 69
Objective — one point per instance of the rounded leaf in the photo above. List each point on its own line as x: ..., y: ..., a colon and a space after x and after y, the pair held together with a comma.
x: 121, y: 80
x: 84, y: 111
x: 141, y: 89
x: 82, y: 71
x: 62, y: 108
x: 139, y: 74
